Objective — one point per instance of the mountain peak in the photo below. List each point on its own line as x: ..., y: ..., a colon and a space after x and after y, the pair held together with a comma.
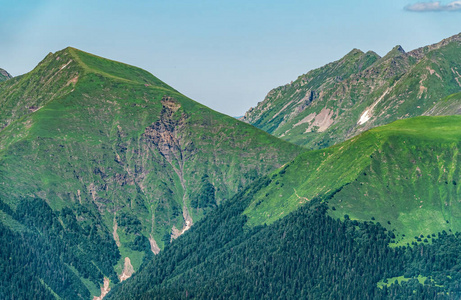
x: 396, y: 51
x: 312, y: 113
x: 373, y: 53
x: 93, y: 64
x: 60, y: 72
x: 354, y: 51
x: 399, y: 48
x: 4, y: 75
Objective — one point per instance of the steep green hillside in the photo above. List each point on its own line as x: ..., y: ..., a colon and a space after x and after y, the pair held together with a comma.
x: 121, y: 162
x: 404, y: 175
x: 448, y: 106
x: 359, y: 92
x: 343, y: 222
x: 4, y: 75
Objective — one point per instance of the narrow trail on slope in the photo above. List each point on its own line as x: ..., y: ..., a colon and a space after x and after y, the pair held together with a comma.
x: 299, y: 197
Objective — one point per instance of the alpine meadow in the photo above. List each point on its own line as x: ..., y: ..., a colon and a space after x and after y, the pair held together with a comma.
x: 343, y: 184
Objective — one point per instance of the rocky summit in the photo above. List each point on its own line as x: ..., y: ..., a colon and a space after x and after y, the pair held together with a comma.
x: 4, y: 75
x: 360, y: 91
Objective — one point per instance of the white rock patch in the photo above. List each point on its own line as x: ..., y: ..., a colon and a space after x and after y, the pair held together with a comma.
x: 367, y: 114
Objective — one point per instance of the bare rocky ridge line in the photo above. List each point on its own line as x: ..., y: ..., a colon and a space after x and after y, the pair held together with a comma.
x: 360, y: 91
x: 5, y: 74
x: 419, y: 52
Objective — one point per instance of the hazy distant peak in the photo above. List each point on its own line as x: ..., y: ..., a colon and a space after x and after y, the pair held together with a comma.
x: 4, y: 75
x: 399, y: 49
x: 372, y: 53
x: 354, y: 51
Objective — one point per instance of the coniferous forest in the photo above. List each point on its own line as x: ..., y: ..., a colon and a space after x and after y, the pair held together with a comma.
x: 46, y: 256
x: 306, y: 255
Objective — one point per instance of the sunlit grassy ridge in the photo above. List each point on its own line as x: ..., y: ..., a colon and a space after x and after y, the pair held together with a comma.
x: 116, y: 70
x: 404, y: 175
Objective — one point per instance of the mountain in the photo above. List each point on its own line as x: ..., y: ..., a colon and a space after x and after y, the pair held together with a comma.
x: 450, y: 105
x: 375, y: 217
x: 360, y: 91
x: 4, y: 75
x: 102, y: 164
x: 404, y: 175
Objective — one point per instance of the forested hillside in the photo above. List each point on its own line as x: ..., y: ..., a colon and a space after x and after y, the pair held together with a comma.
x: 307, y: 254
x: 346, y: 221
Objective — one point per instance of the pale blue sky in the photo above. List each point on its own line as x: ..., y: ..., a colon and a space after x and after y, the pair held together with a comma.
x: 224, y: 54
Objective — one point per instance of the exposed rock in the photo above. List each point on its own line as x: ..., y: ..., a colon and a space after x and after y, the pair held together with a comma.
x: 175, y: 232
x: 127, y: 270
x: 114, y: 233
x: 322, y: 121
x: 153, y: 245
x: 4, y: 75
x: 164, y: 134
x: 367, y: 114
x: 306, y: 119
x: 105, y: 289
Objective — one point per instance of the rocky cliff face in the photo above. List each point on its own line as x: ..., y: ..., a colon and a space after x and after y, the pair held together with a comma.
x: 358, y: 92
x: 4, y: 75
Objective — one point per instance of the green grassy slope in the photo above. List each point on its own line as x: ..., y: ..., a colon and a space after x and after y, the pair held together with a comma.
x: 123, y: 151
x: 330, y: 104
x: 342, y: 222
x: 404, y: 175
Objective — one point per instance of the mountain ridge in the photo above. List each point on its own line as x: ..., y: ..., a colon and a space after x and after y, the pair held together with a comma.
x: 107, y: 172
x: 119, y: 162
x: 332, y: 103
x: 4, y: 75
x: 351, y: 164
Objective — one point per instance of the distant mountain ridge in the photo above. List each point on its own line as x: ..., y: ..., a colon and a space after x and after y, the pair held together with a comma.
x: 4, y: 75
x: 361, y: 91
